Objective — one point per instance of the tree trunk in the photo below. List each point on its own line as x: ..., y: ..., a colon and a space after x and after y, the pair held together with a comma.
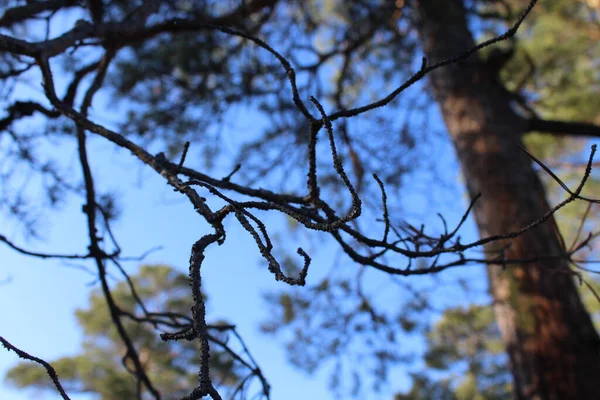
x: 553, y: 347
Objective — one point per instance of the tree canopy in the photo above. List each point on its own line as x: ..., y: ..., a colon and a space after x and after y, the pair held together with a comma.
x: 98, y: 368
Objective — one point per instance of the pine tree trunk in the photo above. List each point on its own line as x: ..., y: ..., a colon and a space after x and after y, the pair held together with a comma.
x: 553, y: 347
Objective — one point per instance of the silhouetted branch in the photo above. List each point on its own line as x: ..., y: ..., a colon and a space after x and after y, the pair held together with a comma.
x: 51, y: 372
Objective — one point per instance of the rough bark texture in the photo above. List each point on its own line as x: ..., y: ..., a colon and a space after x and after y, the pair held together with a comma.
x: 553, y: 347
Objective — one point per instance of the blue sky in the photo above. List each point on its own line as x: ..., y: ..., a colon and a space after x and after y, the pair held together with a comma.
x: 38, y: 302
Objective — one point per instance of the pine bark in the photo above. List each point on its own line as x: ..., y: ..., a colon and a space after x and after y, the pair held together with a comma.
x: 551, y: 342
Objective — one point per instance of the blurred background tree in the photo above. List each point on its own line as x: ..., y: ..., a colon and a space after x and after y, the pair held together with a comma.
x: 99, y: 368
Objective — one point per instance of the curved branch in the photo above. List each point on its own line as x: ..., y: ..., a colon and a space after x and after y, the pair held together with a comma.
x: 26, y: 356
x: 41, y: 255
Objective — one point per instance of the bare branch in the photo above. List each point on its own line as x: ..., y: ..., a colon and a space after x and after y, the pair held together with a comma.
x: 51, y: 372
